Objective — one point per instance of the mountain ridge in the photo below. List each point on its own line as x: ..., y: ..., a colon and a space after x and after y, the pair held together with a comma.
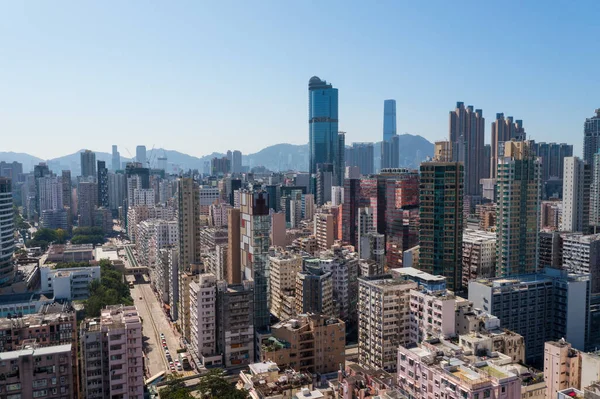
x: 276, y: 157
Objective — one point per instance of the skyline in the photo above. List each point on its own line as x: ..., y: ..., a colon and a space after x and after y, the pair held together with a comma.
x: 172, y: 76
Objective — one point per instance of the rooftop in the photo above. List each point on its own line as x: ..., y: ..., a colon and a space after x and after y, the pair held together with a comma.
x: 38, y: 351
x: 263, y: 367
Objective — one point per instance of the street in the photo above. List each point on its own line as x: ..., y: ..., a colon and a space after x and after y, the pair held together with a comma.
x: 154, y: 322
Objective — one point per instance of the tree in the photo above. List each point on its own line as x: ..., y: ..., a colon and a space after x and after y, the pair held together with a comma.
x: 175, y: 388
x: 110, y: 290
x: 214, y: 385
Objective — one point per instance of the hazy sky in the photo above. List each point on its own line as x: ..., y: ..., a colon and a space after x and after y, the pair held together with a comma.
x: 210, y: 76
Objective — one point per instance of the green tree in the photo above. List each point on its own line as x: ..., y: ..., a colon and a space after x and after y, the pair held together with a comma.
x: 110, y: 290
x: 214, y: 385
x: 175, y: 388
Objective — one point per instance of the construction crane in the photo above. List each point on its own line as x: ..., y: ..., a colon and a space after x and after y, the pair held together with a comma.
x: 151, y: 157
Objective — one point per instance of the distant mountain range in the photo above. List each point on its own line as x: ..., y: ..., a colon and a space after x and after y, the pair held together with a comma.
x: 278, y: 157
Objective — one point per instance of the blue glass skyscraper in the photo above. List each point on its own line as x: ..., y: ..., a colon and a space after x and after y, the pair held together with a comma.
x: 389, y: 120
x: 323, y: 127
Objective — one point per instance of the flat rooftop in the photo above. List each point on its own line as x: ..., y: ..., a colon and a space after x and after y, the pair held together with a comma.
x: 418, y: 274
x: 40, y: 351
x: 263, y: 367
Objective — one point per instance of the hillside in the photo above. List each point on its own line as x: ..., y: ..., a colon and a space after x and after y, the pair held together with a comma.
x: 278, y: 157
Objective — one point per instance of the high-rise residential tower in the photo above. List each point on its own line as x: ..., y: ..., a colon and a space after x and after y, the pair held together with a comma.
x: 66, y: 188
x: 503, y: 129
x: 7, y: 237
x: 591, y: 137
x: 102, y: 184
x: 254, y: 241
x: 518, y: 210
x: 140, y: 155
x: 361, y: 155
x: 189, y: 222
x: 576, y: 196
x: 595, y: 193
x: 441, y: 220
x: 116, y: 159
x: 87, y: 201
x: 233, y: 272
x: 323, y: 127
x: 389, y: 120
x: 467, y: 137
x: 88, y: 163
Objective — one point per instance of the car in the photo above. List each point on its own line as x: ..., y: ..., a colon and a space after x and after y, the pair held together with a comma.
x: 141, y: 298
x: 179, y: 368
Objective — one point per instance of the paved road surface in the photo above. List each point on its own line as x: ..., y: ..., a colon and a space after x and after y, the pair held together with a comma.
x: 154, y: 322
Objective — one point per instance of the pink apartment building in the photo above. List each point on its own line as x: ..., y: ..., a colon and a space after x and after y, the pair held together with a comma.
x: 111, y: 354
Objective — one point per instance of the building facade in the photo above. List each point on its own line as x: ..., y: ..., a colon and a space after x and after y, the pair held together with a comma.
x: 441, y: 220
x: 111, y: 353
x: 518, y: 210
x: 7, y: 234
x: 324, y: 141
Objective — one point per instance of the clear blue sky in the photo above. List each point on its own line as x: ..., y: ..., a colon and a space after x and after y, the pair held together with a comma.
x: 210, y: 76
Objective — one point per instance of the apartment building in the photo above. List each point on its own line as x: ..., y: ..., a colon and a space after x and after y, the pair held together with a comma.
x: 314, y: 291
x: 54, y: 324
x: 284, y: 267
x: 222, y: 331
x: 581, y: 254
x: 383, y: 320
x: 478, y: 255
x: 432, y: 315
x: 542, y: 307
x: 203, y: 298
x: 152, y: 235
x: 235, y: 323
x: 438, y: 369
x: 343, y: 264
x: 562, y: 367
x: 111, y: 354
x: 310, y: 342
x: 324, y: 230
x: 550, y: 249
x: 137, y: 214
x: 33, y: 371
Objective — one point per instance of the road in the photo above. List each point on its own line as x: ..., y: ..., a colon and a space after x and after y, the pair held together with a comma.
x: 154, y: 322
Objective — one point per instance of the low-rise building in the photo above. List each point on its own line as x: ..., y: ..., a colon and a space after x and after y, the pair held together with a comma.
x: 70, y: 253
x: 71, y: 283
x: 265, y: 381
x: 431, y: 370
x: 311, y: 342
